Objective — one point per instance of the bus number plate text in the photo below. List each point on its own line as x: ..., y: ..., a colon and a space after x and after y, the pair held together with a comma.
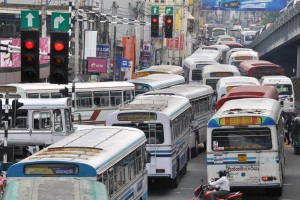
x: 242, y: 157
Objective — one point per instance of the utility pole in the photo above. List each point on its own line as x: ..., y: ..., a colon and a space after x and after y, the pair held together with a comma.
x: 44, y: 24
x: 197, y: 9
x: 76, y: 65
x: 114, y: 8
x: 174, y: 32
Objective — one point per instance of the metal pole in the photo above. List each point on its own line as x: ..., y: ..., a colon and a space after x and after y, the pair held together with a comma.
x: 5, y: 131
x: 162, y: 42
x: 76, y: 65
x: 114, y: 55
x: 174, y: 34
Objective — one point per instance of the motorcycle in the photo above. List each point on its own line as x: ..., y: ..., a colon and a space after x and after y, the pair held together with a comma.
x: 202, y: 192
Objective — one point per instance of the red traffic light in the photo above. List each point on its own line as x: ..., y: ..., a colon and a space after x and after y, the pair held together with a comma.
x: 169, y: 21
x: 58, y: 60
x: 29, y: 44
x: 29, y: 59
x: 59, y: 46
x: 154, y: 20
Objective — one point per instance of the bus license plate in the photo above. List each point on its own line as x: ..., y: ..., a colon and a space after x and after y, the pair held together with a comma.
x: 242, y: 157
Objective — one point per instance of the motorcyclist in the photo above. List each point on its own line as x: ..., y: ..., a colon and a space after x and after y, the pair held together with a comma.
x: 222, y: 183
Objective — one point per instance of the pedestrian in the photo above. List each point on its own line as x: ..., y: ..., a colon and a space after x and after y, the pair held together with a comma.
x: 288, y: 124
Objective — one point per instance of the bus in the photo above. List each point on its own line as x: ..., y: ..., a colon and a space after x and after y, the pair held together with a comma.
x: 92, y: 101
x: 218, y: 31
x: 235, y: 50
x: 212, y: 73
x: 247, y: 37
x: 160, y: 69
x: 36, y: 124
x: 115, y: 156
x: 194, y: 64
x: 220, y: 47
x: 237, y: 57
x: 60, y: 188
x: 165, y: 120
x: 245, y: 138
x: 155, y: 82
x: 225, y: 84
x: 285, y: 88
x: 249, y: 91
x: 259, y: 68
x: 201, y: 99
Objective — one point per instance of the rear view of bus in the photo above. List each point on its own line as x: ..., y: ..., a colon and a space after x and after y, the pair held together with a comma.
x: 285, y: 90
x: 245, y: 137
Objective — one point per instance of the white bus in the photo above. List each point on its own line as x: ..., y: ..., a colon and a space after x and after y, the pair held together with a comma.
x: 212, y: 73
x: 247, y: 37
x: 237, y: 57
x: 201, y: 99
x: 92, y: 100
x: 160, y: 69
x: 245, y: 138
x: 165, y: 120
x: 155, y: 82
x: 194, y: 64
x: 115, y: 156
x: 284, y: 86
x: 225, y: 84
x: 235, y: 50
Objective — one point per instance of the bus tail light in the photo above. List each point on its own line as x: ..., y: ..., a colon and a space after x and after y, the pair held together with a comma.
x: 268, y: 178
x: 160, y: 170
x: 291, y: 100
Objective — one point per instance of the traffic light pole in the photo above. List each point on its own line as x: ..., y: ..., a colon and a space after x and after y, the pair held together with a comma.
x: 5, y: 131
x: 162, y: 43
x: 76, y: 65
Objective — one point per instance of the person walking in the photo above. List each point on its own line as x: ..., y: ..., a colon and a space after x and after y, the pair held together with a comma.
x: 288, y: 124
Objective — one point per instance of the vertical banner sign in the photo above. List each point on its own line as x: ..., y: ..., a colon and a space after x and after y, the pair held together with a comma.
x: 244, y: 5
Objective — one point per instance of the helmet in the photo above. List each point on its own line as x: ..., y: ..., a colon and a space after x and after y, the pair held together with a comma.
x: 222, y: 172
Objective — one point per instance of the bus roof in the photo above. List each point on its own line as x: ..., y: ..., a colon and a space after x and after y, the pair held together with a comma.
x: 171, y: 106
x: 188, y: 91
x: 237, y: 80
x: 86, y: 86
x: 251, y: 91
x: 42, y: 103
x: 244, y: 53
x: 47, y: 187
x: 268, y: 80
x: 219, y: 68
x: 269, y: 108
x: 247, y: 64
x: 159, y: 80
x: 163, y: 68
x: 99, y: 147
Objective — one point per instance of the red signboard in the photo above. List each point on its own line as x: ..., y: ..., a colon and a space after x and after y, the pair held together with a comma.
x: 98, y: 65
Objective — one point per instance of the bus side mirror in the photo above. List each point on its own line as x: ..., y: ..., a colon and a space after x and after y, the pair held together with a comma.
x: 147, y: 157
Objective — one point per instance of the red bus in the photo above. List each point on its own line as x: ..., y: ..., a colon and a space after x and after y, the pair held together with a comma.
x: 253, y: 91
x: 259, y: 68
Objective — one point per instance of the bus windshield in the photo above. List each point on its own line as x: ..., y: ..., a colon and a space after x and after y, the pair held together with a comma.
x: 284, y: 89
x: 239, y: 139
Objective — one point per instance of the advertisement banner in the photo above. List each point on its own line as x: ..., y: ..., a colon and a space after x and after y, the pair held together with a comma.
x: 97, y: 65
x: 244, y: 5
x: 102, y: 50
x: 13, y: 60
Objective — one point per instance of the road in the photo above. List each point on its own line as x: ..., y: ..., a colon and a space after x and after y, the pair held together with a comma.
x: 197, y: 170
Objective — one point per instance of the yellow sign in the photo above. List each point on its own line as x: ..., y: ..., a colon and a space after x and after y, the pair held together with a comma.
x: 233, y: 121
x: 229, y: 88
x: 242, y: 157
x: 10, y: 89
x: 136, y: 116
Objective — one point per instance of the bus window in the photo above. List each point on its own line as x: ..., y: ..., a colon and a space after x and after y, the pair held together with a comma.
x: 84, y: 99
x: 69, y: 125
x: 115, y: 98
x: 57, y: 121
x: 127, y: 95
x: 41, y: 120
x: 56, y: 95
x: 101, y: 99
x: 21, y: 121
x: 33, y: 95
x: 44, y: 95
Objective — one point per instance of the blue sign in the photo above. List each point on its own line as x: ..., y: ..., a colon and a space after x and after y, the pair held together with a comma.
x: 102, y: 49
x: 125, y: 63
x: 244, y: 5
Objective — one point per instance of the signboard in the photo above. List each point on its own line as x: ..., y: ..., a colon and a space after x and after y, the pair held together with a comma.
x: 30, y: 19
x: 124, y: 63
x: 232, y: 121
x: 243, y: 174
x: 60, y: 21
x: 102, y: 49
x: 97, y: 65
x: 154, y: 10
x: 169, y: 10
x: 244, y: 5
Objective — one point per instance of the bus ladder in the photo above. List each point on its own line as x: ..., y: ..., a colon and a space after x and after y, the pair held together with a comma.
x: 152, y: 130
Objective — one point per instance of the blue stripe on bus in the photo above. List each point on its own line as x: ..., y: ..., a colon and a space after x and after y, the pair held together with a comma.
x: 233, y: 158
x: 128, y: 194
x: 266, y: 121
x: 231, y: 162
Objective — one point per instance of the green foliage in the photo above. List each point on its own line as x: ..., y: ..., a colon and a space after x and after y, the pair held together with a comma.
x: 269, y: 17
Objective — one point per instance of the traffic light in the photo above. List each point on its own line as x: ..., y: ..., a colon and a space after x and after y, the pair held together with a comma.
x: 64, y: 92
x: 59, y: 57
x: 30, y: 56
x: 168, y: 26
x: 154, y: 25
x: 15, y: 106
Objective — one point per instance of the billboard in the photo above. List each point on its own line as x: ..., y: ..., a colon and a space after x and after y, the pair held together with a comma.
x: 244, y: 5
